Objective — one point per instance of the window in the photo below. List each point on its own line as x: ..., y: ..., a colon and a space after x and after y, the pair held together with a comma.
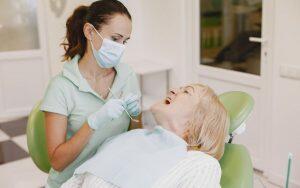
x: 18, y: 25
x: 226, y: 26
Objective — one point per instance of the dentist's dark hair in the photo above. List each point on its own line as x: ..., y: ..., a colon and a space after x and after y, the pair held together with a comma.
x: 98, y: 13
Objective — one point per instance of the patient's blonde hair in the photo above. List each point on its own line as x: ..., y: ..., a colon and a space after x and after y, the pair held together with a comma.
x: 207, y: 130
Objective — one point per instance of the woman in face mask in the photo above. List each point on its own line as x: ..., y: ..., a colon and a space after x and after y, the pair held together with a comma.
x: 85, y: 103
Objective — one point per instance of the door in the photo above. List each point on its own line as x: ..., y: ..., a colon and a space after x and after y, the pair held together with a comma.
x: 23, y: 64
x: 230, y: 49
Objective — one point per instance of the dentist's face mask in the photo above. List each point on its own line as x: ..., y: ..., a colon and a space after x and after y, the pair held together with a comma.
x: 109, y: 54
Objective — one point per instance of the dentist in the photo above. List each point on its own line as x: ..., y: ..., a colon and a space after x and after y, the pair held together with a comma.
x: 80, y: 111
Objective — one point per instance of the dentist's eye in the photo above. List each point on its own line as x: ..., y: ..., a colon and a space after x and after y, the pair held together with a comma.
x: 114, y: 39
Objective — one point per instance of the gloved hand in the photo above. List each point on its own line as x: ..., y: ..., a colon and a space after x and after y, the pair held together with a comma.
x: 132, y: 104
x: 112, y: 109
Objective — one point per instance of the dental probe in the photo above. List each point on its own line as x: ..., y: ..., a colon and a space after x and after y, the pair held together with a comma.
x: 135, y: 120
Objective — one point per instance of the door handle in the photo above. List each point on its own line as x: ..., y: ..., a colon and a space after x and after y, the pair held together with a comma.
x: 257, y: 39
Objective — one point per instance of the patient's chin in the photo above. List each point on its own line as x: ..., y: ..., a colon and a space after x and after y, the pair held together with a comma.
x: 159, y: 107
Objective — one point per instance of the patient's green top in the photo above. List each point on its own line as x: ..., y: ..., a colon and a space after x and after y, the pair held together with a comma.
x: 69, y: 94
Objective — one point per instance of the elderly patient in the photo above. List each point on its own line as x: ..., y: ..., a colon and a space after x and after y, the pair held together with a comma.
x: 182, y: 150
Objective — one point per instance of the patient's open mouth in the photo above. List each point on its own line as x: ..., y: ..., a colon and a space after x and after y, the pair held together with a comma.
x: 167, y: 101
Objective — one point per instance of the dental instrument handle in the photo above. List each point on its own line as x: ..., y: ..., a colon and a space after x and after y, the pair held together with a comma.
x: 135, y: 120
x: 290, y: 156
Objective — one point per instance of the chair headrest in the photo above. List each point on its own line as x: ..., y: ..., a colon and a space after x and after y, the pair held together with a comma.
x: 239, y: 105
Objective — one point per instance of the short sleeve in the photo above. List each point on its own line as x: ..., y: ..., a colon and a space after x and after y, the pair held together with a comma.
x: 54, y: 99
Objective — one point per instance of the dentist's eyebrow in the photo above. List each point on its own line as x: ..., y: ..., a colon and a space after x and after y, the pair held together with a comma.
x: 122, y: 36
x: 118, y: 34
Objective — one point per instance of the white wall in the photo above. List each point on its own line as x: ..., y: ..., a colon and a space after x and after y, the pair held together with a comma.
x: 164, y: 35
x: 285, y: 129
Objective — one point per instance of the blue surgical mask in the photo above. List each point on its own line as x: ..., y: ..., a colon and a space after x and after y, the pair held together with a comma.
x: 109, y: 54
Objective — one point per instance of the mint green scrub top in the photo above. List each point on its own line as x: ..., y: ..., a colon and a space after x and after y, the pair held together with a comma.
x: 69, y: 94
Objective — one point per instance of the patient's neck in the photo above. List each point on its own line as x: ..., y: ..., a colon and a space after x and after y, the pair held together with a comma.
x: 174, y: 124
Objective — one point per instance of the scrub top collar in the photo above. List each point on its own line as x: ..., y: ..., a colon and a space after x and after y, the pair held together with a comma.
x: 72, y: 73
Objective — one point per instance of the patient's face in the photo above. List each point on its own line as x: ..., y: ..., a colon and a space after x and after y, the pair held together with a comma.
x: 178, y: 105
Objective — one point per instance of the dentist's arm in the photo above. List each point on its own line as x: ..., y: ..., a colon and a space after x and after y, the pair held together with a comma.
x: 62, y: 152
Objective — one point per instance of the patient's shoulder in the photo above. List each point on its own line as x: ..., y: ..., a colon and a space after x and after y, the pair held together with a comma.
x: 201, y: 156
x: 196, y: 160
x: 199, y: 159
x: 205, y: 168
x: 196, y: 170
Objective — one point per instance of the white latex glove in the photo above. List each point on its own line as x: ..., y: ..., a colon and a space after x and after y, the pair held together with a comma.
x: 132, y: 104
x: 111, y: 110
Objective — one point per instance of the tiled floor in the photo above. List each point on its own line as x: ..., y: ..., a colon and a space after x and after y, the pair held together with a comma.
x: 18, y: 171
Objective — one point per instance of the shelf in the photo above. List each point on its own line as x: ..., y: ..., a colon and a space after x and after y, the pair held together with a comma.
x: 143, y: 67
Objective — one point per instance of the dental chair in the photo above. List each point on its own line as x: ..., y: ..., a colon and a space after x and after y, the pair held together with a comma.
x: 237, y: 170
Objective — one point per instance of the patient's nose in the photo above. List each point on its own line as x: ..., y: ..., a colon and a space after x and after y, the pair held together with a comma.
x: 172, y: 93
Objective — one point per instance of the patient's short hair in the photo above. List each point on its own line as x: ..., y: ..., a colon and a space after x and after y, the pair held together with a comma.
x: 207, y: 129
